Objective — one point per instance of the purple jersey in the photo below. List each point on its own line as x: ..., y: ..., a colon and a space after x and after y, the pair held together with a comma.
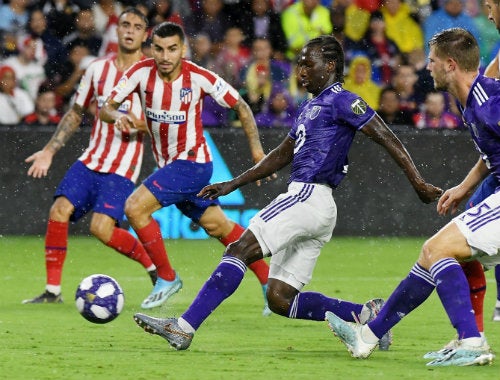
x: 323, y: 133
x: 482, y: 117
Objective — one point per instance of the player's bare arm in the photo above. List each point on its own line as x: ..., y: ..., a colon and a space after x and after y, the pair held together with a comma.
x: 42, y: 159
x: 451, y: 198
x: 378, y: 131
x: 109, y: 113
x: 275, y: 160
x: 250, y: 128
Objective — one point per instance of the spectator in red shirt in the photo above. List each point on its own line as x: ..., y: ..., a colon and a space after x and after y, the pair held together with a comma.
x: 233, y: 57
x: 434, y: 114
x: 45, y: 108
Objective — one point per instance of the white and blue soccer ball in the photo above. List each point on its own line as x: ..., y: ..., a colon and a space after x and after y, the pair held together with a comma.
x: 99, y: 298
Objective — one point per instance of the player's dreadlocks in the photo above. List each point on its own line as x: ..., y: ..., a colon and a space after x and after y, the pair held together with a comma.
x: 331, y: 50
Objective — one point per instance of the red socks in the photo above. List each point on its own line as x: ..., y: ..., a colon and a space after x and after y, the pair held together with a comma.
x: 259, y: 267
x: 56, y: 243
x: 125, y: 243
x: 261, y: 270
x: 151, y: 239
x: 477, y: 283
x: 234, y: 235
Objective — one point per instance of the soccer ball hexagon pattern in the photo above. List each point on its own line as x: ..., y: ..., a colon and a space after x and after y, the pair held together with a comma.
x: 99, y: 298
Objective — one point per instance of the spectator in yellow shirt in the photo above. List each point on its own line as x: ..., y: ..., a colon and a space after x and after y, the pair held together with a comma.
x: 303, y: 21
x: 401, y: 27
x: 359, y: 80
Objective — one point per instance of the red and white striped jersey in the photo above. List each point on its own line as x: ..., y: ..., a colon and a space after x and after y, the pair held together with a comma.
x: 109, y: 150
x: 173, y: 109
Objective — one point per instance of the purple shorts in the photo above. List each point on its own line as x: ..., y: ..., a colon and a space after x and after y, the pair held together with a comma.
x: 88, y: 190
x: 178, y: 183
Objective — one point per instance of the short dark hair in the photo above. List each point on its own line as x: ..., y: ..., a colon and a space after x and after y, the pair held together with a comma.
x: 168, y: 29
x: 136, y: 12
x: 331, y: 50
x: 459, y: 44
x: 46, y: 86
x: 390, y: 89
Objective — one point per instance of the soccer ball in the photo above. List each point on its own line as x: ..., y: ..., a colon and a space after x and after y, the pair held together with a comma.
x: 99, y: 298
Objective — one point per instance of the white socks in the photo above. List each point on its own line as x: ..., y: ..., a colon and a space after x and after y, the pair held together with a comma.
x: 184, y: 325
x: 368, y: 336
x: 54, y: 289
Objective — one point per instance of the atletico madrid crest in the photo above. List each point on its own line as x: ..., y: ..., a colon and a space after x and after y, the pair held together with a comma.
x: 186, y: 95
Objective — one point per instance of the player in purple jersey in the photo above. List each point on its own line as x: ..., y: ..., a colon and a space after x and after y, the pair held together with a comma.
x: 293, y: 228
x: 473, y: 269
x: 490, y: 183
x: 453, y: 64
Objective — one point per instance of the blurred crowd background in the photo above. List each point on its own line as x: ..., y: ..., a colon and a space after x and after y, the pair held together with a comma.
x: 47, y: 44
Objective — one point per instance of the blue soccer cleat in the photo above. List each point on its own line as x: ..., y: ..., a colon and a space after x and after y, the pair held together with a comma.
x: 161, y: 292
x: 465, y: 355
x: 443, y: 351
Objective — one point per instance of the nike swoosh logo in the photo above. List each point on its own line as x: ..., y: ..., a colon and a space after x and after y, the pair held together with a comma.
x: 156, y: 184
x: 107, y: 205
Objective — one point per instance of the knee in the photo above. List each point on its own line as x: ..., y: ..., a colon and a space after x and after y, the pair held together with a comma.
x: 237, y: 249
x: 278, y: 303
x: 216, y: 225
x: 101, y: 230
x: 132, y: 210
x: 215, y: 222
x: 428, y: 254
x: 61, y: 210
x: 214, y: 229
x: 102, y: 226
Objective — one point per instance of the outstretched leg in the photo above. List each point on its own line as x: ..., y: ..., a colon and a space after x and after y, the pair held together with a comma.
x: 224, y: 280
x: 260, y: 268
x: 217, y: 225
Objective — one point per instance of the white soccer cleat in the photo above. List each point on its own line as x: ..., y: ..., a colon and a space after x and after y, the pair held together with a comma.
x: 350, y: 334
x: 368, y: 313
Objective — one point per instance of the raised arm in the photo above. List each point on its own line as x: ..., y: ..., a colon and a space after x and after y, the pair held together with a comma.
x: 378, y: 131
x: 42, y: 160
x: 275, y: 160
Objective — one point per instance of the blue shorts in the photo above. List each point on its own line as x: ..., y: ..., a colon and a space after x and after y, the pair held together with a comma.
x: 484, y: 190
x: 178, y: 183
x: 88, y: 190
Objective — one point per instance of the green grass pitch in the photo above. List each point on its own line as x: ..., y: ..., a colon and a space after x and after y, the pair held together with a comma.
x: 236, y: 342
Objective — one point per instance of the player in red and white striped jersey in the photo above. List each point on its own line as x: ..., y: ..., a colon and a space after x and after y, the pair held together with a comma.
x: 172, y: 91
x: 104, y: 175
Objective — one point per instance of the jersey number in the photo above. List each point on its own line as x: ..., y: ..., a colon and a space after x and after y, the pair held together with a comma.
x: 301, y: 138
